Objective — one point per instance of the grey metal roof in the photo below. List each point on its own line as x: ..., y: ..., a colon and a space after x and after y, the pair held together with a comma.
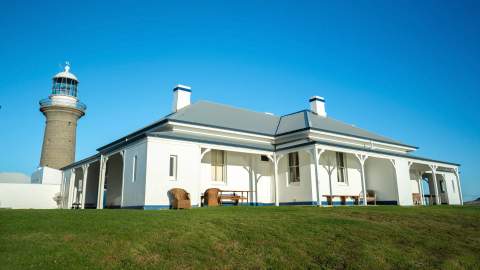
x: 292, y: 122
x: 331, y: 125
x: 222, y: 116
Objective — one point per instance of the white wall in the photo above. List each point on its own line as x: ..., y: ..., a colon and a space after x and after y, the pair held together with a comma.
x: 113, y: 180
x: 134, y: 192
x: 195, y: 176
x: 46, y: 175
x: 404, y: 186
x: 380, y: 177
x: 91, y: 191
x: 37, y: 196
x: 263, y: 171
x: 239, y: 177
x: 353, y: 185
x: 452, y: 188
x: 158, y: 180
x: 296, y: 192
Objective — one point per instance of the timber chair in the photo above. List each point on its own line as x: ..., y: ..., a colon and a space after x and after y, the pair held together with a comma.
x: 211, y: 197
x: 371, y: 197
x: 180, y: 199
x: 417, y: 199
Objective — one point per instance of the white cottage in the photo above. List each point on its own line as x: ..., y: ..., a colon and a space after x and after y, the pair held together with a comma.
x: 303, y: 158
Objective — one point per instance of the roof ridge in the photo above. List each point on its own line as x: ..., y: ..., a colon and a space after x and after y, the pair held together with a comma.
x: 234, y: 107
x: 278, y: 125
x: 294, y: 112
x: 308, y: 124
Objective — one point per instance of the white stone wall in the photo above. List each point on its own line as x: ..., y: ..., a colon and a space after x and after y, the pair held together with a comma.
x: 114, y: 180
x: 380, y: 177
x: 158, y: 180
x: 453, y: 195
x: 195, y: 176
x: 404, y: 186
x: 296, y: 192
x: 134, y: 192
x: 353, y: 185
x: 35, y: 196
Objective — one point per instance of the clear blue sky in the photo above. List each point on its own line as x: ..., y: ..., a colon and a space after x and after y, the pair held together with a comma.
x: 409, y: 70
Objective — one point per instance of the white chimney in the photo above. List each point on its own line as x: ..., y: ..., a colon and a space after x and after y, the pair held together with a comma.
x: 181, y: 96
x: 317, y: 105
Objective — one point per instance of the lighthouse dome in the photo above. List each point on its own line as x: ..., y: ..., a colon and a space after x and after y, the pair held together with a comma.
x: 66, y: 74
x: 65, y: 83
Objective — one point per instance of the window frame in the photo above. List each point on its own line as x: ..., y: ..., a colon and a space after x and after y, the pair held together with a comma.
x: 134, y: 168
x: 293, y: 168
x: 342, y: 168
x: 443, y: 188
x: 173, y: 167
x: 218, y: 160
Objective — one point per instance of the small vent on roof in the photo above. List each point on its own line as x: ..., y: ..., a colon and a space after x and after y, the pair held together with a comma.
x: 269, y: 113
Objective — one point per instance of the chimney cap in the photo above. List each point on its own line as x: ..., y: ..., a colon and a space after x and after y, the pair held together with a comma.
x: 316, y: 98
x: 182, y: 87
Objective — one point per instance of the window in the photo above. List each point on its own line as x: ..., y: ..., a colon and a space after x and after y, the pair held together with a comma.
x: 453, y: 186
x: 442, y: 186
x: 134, y: 169
x: 172, y: 172
x: 264, y: 158
x: 293, y: 168
x: 218, y: 165
x: 341, y: 168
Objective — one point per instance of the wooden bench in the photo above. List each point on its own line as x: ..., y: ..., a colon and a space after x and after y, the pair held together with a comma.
x: 233, y: 196
x: 343, y: 199
x: 76, y: 205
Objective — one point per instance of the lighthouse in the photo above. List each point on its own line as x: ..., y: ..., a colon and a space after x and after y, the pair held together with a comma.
x: 62, y: 109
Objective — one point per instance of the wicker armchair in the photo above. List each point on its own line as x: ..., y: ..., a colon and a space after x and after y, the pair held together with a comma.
x: 180, y: 199
x: 212, y: 197
x: 417, y: 199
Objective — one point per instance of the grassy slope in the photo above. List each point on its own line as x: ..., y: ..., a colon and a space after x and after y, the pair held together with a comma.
x: 242, y: 237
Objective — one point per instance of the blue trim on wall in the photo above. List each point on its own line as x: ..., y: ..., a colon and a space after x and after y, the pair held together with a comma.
x: 265, y: 204
x: 299, y: 203
x: 153, y: 207
x: 387, y: 203
x: 307, y: 203
x: 338, y: 203
x: 133, y: 207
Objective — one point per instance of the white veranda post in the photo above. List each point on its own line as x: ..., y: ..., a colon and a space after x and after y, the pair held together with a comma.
x: 84, y: 184
x: 316, y: 158
x: 202, y: 154
x: 122, y: 153
x: 101, y: 181
x: 275, y: 177
x: 460, y: 195
x: 71, y: 188
x: 362, y: 158
x: 435, y: 185
x: 275, y: 159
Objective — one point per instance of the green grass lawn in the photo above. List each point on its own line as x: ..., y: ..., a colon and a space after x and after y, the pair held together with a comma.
x: 242, y: 237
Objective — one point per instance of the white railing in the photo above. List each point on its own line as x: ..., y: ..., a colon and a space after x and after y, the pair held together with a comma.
x: 76, y: 104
